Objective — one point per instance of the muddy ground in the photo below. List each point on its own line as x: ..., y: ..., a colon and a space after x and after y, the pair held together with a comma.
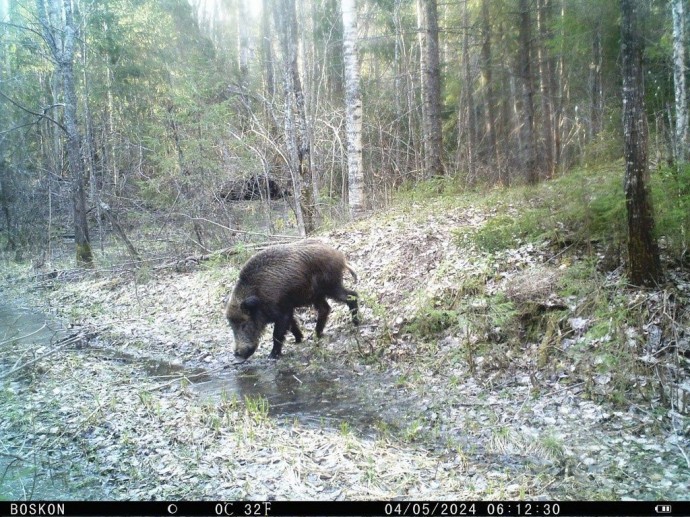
x: 136, y: 397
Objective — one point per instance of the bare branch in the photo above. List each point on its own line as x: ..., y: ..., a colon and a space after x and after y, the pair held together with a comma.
x: 35, y: 113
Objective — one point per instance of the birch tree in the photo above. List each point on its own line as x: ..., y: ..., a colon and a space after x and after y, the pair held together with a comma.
x: 243, y: 50
x: 643, y: 253
x: 681, y: 130
x: 60, y: 33
x: 353, y: 102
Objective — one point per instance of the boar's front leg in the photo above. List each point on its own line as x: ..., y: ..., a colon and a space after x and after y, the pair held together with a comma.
x: 282, y: 324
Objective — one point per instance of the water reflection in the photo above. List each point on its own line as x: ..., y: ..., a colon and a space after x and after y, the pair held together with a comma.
x: 326, y: 398
x: 23, y: 326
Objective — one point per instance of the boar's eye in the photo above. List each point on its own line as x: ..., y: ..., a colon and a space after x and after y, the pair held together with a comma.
x: 250, y: 304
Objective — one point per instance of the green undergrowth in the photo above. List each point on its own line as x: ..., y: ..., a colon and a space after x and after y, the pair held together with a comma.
x: 556, y: 307
x: 583, y: 207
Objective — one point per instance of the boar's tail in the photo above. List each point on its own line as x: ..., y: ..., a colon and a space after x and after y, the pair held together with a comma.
x: 351, y: 270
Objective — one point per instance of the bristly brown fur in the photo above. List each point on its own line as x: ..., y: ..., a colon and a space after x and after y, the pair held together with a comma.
x: 277, y: 280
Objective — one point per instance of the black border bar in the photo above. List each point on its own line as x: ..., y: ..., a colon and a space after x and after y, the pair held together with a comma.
x: 345, y: 508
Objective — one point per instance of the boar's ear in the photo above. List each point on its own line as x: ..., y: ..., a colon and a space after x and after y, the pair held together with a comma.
x: 250, y: 304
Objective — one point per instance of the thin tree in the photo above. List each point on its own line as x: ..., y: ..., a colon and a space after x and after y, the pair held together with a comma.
x: 468, y: 90
x: 296, y: 137
x: 490, y: 101
x: 427, y: 22
x: 6, y: 195
x: 543, y: 6
x: 6, y: 187
x: 681, y: 130
x: 60, y: 34
x: 243, y: 50
x: 595, y: 86
x: 527, y: 139
x: 643, y: 253
x: 353, y: 102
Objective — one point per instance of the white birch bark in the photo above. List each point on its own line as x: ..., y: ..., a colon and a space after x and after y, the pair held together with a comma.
x: 353, y: 102
x: 243, y: 48
x: 681, y: 132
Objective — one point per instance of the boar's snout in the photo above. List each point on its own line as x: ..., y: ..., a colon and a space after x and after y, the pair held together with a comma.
x: 244, y: 351
x: 245, y: 345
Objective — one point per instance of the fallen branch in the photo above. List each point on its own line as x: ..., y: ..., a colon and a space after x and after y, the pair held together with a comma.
x: 24, y: 336
x: 70, y: 340
x: 226, y: 252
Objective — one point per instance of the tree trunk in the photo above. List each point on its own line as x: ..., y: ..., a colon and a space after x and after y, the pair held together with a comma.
x: 427, y: 22
x: 545, y: 85
x: 333, y: 53
x: 490, y: 101
x: 295, y: 121
x: 353, y: 101
x: 558, y: 87
x: 644, y: 265
x: 59, y: 32
x: 527, y: 150
x: 75, y: 158
x: 470, y: 118
x: 596, y: 94
x: 6, y: 198
x: 267, y: 50
x: 243, y: 51
x: 681, y: 131
x: 6, y: 186
x: 405, y: 105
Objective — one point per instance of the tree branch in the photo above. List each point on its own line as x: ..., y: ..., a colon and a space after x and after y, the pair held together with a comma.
x: 35, y: 113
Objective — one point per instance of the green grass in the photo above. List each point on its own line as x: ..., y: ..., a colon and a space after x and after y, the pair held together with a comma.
x: 586, y: 205
x: 583, y: 207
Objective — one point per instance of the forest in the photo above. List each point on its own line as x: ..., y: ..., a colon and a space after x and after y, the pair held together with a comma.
x: 510, y: 179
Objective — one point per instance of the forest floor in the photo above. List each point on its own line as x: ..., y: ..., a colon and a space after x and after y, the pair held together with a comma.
x: 530, y: 372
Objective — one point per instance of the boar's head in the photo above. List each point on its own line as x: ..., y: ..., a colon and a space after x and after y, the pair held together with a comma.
x: 247, y: 322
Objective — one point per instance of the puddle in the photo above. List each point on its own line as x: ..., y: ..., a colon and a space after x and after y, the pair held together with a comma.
x: 327, y: 399
x: 20, y: 325
x: 25, y: 473
x: 159, y: 369
x: 324, y: 398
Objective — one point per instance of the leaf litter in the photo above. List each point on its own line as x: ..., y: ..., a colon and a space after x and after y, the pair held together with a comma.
x: 467, y: 412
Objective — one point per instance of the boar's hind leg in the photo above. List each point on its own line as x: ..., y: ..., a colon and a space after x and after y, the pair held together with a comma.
x: 294, y: 328
x: 323, y: 310
x: 350, y: 298
x: 282, y: 324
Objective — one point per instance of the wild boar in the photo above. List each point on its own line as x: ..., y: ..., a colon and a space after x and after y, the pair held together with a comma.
x: 277, y: 280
